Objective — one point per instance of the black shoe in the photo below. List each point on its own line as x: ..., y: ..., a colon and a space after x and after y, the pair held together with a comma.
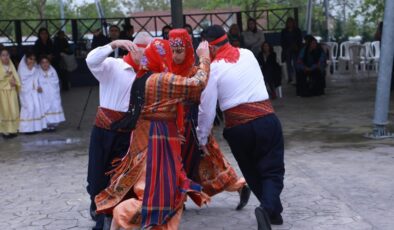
x: 92, y: 212
x: 276, y: 219
x: 244, y: 195
x: 263, y: 221
x: 107, y: 222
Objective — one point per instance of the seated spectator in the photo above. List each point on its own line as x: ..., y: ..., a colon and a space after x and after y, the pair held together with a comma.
x: 270, y: 68
x: 311, y: 66
x: 234, y: 36
x: 127, y: 32
x: 165, y: 31
x: 32, y: 116
x: 253, y: 37
x: 189, y: 29
x: 9, y: 87
x: 50, y: 95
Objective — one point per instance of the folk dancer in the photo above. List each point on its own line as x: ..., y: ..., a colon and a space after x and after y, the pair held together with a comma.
x: 115, y: 76
x: 212, y: 171
x: 149, y: 186
x: 252, y: 129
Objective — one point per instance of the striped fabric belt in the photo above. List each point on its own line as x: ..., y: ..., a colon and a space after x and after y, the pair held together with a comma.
x: 105, y: 117
x: 244, y: 113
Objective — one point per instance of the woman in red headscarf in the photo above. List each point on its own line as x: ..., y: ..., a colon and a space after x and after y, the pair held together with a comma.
x: 212, y: 171
x: 149, y: 186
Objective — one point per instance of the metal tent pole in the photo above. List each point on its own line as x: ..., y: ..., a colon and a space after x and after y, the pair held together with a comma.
x: 176, y: 14
x: 382, y: 101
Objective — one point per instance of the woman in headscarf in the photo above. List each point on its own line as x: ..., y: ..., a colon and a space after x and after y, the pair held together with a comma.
x: 9, y: 87
x: 212, y: 171
x: 32, y: 117
x: 149, y: 186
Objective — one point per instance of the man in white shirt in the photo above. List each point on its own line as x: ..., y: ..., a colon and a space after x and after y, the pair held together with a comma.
x: 252, y: 130
x: 116, y: 76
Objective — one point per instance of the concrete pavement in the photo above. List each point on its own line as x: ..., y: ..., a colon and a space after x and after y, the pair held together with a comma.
x: 335, y: 177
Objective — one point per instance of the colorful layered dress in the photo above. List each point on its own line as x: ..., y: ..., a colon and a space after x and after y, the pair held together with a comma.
x: 149, y: 186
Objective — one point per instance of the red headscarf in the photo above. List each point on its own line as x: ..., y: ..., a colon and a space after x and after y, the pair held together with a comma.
x: 181, y: 39
x: 129, y: 60
x: 157, y: 58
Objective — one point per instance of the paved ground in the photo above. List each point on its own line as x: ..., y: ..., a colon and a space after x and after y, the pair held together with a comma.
x: 335, y: 178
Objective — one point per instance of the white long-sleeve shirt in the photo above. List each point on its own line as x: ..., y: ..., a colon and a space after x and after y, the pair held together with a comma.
x: 115, y: 76
x: 231, y: 84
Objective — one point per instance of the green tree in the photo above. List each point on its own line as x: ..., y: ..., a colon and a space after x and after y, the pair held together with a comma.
x: 371, y: 10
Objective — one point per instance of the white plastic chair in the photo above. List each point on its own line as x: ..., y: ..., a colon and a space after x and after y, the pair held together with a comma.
x: 333, y: 54
x: 344, y: 55
x: 355, y: 52
x: 366, y: 56
x: 278, y: 51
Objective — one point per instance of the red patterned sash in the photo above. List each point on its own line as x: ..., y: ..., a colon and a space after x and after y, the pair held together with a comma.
x: 105, y: 117
x: 244, y: 113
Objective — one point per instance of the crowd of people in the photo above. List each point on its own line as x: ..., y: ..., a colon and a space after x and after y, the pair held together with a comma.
x: 304, y: 69
x: 151, y: 145
x: 29, y: 95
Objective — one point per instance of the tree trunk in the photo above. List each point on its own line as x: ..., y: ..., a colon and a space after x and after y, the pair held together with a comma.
x: 40, y: 6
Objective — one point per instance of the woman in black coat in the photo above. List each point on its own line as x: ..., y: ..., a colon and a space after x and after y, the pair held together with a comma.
x: 270, y: 68
x: 311, y: 66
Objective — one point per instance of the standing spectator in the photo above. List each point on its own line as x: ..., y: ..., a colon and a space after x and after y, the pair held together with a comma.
x: 114, y: 34
x: 291, y: 41
x: 32, y: 117
x: 127, y: 33
x: 270, y: 68
x: 61, y: 47
x: 234, y: 36
x: 253, y: 37
x: 44, y: 44
x: 15, y: 55
x: 50, y: 95
x: 195, y: 41
x: 311, y: 69
x: 99, y: 39
x: 9, y: 87
x: 60, y: 43
x: 164, y: 31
